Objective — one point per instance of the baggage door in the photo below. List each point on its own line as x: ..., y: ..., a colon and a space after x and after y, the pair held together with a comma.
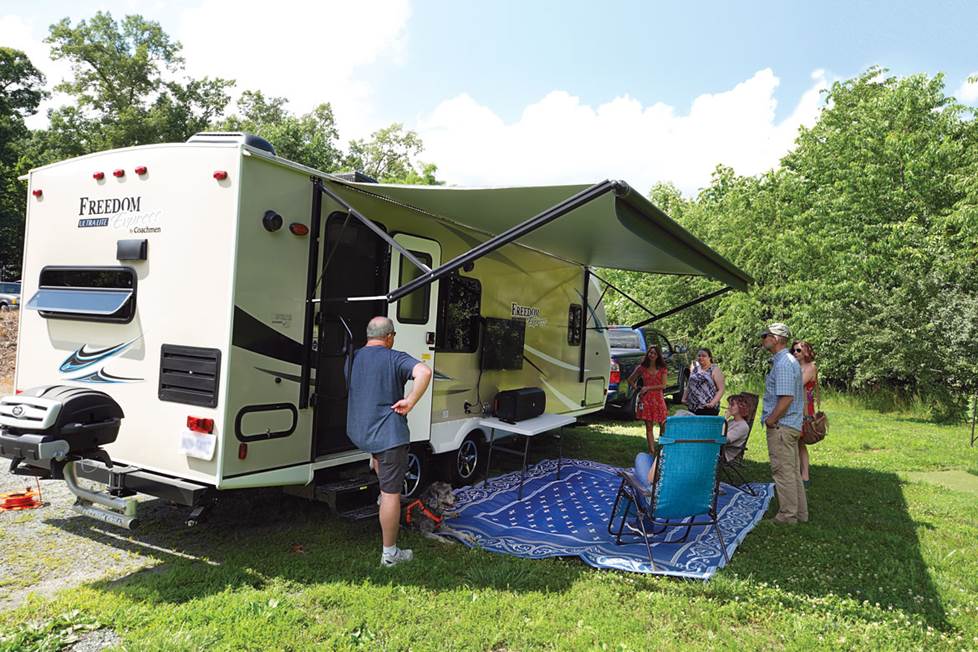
x: 414, y: 320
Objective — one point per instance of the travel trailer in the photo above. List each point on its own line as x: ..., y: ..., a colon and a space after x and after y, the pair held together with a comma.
x: 191, y: 311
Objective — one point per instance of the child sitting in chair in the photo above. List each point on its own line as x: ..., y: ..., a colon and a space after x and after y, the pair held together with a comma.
x: 737, y: 427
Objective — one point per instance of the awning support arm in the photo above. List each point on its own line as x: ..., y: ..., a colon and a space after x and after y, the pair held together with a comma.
x: 583, y: 358
x: 688, y: 304
x: 513, y: 233
x: 379, y: 232
x: 622, y: 293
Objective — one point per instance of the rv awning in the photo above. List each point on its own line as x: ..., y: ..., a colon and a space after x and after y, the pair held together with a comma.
x: 618, y: 230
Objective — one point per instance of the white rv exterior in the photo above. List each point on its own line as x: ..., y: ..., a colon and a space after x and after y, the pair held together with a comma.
x: 216, y: 283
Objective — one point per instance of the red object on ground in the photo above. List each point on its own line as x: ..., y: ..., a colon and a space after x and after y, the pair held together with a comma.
x: 17, y: 500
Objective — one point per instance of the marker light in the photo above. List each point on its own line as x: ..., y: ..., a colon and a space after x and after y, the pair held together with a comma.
x: 200, y: 424
x: 98, y: 176
x: 119, y: 173
x: 141, y: 170
x: 37, y: 193
x: 220, y: 175
x: 298, y: 229
x: 242, y: 451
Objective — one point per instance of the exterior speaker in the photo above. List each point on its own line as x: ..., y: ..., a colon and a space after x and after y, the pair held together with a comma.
x: 519, y: 404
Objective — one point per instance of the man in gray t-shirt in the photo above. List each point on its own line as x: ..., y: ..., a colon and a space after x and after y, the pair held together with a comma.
x: 782, y: 415
x: 376, y: 421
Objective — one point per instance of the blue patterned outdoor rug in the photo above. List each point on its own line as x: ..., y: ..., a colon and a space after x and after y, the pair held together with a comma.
x: 569, y: 517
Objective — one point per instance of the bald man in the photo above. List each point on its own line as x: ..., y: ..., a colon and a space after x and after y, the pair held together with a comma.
x: 376, y: 421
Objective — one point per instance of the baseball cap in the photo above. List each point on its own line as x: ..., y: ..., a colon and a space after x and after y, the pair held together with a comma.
x: 777, y: 328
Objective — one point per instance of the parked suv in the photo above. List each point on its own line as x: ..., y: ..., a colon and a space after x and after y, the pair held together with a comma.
x: 9, y: 296
x: 628, y: 346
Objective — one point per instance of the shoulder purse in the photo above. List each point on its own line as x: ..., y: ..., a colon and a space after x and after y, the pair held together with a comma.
x: 814, y: 429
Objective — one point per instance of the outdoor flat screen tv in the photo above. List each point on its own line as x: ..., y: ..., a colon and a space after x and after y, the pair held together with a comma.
x: 502, y: 343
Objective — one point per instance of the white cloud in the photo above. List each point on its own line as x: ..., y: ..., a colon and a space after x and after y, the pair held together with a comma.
x: 27, y: 36
x: 968, y: 91
x: 309, y: 52
x: 560, y: 140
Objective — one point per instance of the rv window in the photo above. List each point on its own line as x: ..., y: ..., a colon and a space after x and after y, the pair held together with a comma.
x: 575, y: 320
x: 413, y: 308
x: 459, y: 300
x: 86, y: 293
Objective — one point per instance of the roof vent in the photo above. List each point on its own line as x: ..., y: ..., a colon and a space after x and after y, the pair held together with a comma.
x: 232, y: 137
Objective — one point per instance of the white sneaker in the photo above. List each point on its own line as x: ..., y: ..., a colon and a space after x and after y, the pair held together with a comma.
x: 401, y: 555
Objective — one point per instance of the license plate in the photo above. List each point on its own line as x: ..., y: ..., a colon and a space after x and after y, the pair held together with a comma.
x: 198, y: 444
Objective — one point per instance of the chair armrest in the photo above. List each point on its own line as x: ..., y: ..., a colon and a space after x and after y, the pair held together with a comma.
x: 637, y: 486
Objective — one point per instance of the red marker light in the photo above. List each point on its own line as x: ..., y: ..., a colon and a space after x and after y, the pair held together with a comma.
x: 220, y: 175
x: 119, y: 173
x: 37, y: 193
x: 298, y: 229
x: 242, y: 451
x: 98, y: 176
x: 200, y: 424
x: 141, y: 170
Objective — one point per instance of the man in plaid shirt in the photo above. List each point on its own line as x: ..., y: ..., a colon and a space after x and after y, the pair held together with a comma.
x: 782, y: 416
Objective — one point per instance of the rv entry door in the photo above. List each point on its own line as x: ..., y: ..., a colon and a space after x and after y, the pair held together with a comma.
x: 414, y: 319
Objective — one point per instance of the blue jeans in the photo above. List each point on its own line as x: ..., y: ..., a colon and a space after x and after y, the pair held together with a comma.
x: 643, y: 465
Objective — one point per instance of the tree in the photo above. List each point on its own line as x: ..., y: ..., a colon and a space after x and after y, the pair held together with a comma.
x: 390, y: 156
x: 124, y: 88
x: 21, y: 91
x: 311, y: 139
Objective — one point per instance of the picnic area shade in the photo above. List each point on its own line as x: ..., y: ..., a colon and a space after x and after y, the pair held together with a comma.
x: 617, y: 230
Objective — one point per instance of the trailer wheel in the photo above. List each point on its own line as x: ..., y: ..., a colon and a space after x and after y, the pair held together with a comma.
x: 466, y: 465
x: 4, y: 307
x: 418, y: 472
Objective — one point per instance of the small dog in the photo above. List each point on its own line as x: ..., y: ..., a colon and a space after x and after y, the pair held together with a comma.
x: 426, y: 514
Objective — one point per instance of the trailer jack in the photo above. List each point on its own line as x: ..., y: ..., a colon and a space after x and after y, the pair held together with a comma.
x: 121, y: 512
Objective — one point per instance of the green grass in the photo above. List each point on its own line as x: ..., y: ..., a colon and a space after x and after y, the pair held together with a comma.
x: 886, y: 562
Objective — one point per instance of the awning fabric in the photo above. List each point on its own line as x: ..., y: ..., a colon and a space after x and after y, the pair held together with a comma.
x: 617, y: 230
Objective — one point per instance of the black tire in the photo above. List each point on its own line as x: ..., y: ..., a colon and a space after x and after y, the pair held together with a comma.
x: 468, y: 463
x: 4, y: 307
x: 418, y: 475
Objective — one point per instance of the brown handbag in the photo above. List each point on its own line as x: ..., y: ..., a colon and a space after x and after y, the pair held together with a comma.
x: 814, y: 429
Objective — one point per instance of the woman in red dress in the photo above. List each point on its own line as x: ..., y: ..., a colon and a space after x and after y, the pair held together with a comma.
x: 650, y: 406
x: 805, y: 355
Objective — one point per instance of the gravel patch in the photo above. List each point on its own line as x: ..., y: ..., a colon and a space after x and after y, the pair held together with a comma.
x: 95, y: 641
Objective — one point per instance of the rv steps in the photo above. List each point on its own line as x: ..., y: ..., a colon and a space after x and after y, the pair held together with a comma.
x: 361, y: 513
x: 351, y: 498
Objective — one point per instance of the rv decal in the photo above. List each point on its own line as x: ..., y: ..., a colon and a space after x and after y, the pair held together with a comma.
x: 107, y: 206
x: 258, y: 337
x: 103, y: 377
x: 530, y: 313
x: 83, y: 358
x: 87, y: 222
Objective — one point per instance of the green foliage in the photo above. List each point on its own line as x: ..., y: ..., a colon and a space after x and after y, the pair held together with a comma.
x: 864, y: 241
x: 310, y: 139
x: 21, y: 90
x: 390, y: 156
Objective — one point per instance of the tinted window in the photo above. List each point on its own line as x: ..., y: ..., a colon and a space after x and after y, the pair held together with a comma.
x: 459, y: 300
x: 624, y: 340
x: 575, y: 322
x: 10, y: 288
x: 86, y: 293
x: 413, y: 308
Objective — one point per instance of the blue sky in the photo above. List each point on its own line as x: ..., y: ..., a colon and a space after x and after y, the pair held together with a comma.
x: 543, y: 92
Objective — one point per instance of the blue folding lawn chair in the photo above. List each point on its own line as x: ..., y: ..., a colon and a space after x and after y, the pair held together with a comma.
x: 684, y: 489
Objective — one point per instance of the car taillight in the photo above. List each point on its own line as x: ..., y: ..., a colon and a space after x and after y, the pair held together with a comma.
x: 615, y: 377
x: 200, y: 424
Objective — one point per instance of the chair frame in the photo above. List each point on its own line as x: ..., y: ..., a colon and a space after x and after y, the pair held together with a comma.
x: 733, y: 470
x: 631, y: 488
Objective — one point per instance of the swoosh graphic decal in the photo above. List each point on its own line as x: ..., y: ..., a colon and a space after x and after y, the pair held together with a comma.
x: 554, y: 361
x: 83, y: 358
x: 103, y: 377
